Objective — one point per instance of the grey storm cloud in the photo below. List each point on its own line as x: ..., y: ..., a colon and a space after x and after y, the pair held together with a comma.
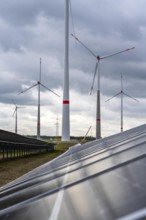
x: 21, y: 29
x: 18, y: 13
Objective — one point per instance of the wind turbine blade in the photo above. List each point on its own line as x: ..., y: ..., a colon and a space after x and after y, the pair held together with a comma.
x: 113, y: 96
x: 104, y: 57
x: 131, y: 97
x: 84, y: 45
x: 13, y: 101
x: 49, y: 90
x: 21, y: 107
x: 14, y: 111
x: 28, y: 88
x: 40, y: 69
x: 96, y: 65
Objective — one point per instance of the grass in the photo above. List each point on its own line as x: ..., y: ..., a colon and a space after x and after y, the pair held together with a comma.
x: 64, y: 146
x: 12, y: 169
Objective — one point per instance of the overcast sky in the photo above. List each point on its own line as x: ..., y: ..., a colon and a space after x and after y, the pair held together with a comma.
x: 33, y: 29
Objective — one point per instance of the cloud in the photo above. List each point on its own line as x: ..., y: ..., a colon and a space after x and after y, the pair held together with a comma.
x: 34, y: 29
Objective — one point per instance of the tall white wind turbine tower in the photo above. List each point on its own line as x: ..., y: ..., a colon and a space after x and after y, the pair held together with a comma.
x: 39, y: 84
x: 66, y: 104
x: 97, y: 71
x: 121, y: 93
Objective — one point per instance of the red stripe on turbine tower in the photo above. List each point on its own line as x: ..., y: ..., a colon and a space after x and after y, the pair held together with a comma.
x: 65, y: 101
x: 97, y: 119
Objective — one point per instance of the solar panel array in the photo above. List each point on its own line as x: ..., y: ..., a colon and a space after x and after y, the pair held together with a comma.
x: 16, y: 138
x: 104, y: 179
x: 14, y: 146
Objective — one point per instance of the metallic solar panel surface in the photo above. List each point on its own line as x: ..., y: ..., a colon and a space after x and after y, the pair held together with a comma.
x: 104, y: 179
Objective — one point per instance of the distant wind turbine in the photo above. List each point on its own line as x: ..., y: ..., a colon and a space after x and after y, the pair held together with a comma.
x: 39, y: 84
x: 16, y: 115
x: 97, y: 68
x: 121, y: 93
x: 57, y: 126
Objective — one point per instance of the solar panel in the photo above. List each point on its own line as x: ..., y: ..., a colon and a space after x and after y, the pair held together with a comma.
x: 103, y: 179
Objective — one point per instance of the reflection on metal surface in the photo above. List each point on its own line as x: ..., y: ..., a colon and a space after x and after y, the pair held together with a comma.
x: 140, y: 215
x: 104, y: 179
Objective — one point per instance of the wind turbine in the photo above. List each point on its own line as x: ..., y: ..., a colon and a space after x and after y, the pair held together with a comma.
x: 97, y: 69
x: 121, y: 93
x: 16, y: 115
x: 39, y: 84
x: 66, y: 103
